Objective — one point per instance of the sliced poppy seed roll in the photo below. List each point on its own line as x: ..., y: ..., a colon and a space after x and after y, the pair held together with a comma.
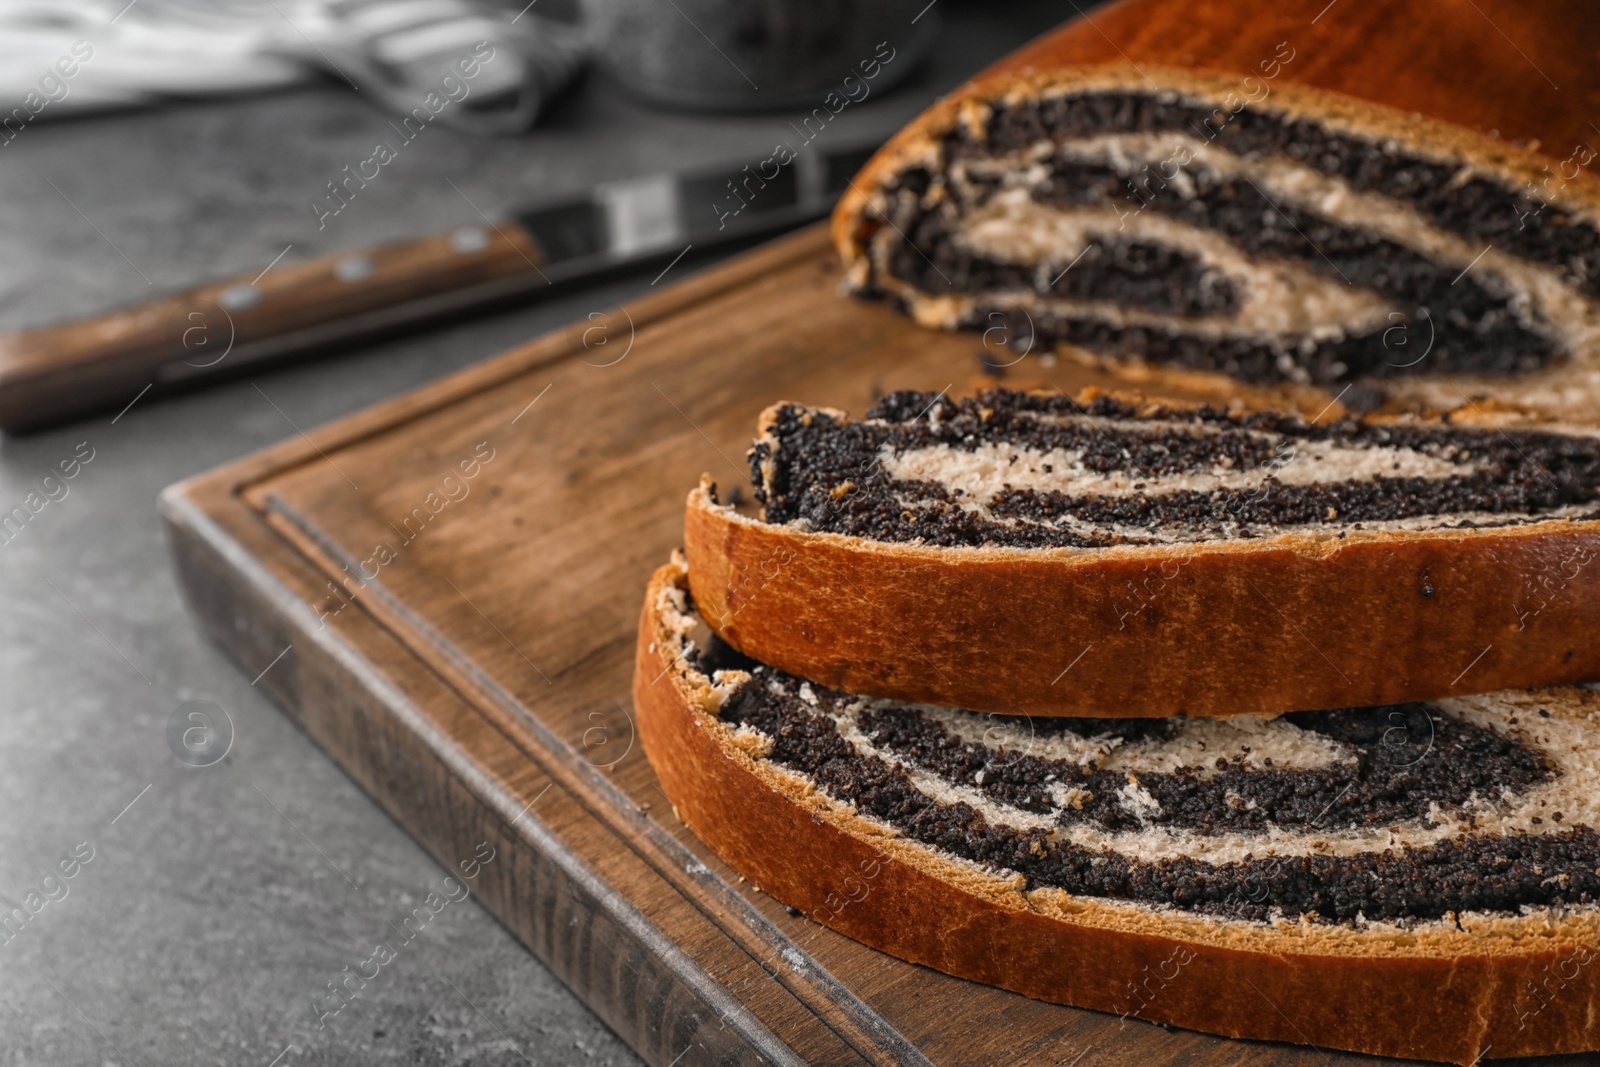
x: 1371, y: 870
x: 1257, y: 227
x: 1097, y: 555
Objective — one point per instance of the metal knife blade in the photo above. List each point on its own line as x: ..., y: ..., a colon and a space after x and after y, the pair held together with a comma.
x: 54, y: 373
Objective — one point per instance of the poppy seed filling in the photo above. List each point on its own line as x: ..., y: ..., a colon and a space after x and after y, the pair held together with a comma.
x: 1024, y: 470
x: 1126, y: 223
x: 1394, y: 814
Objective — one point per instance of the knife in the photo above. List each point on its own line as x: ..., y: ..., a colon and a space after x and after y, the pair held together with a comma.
x: 55, y: 373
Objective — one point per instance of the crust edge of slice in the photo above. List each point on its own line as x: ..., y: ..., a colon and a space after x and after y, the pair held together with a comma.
x: 1442, y: 994
x: 1150, y: 630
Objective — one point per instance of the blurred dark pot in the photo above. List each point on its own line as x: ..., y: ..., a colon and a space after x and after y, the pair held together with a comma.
x: 774, y: 53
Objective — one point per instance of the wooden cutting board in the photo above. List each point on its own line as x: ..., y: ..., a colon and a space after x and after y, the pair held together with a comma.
x: 457, y: 576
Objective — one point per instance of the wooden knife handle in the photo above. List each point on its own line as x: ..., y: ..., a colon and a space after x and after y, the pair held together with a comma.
x: 56, y: 372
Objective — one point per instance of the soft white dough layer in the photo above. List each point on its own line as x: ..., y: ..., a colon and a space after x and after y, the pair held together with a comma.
x: 1017, y: 737
x: 1566, y: 739
x: 992, y: 468
x: 1571, y: 791
x: 1277, y: 297
x: 1310, y: 307
x: 1249, y: 739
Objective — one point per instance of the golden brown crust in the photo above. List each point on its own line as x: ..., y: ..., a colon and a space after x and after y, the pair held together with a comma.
x: 1451, y: 100
x: 1435, y: 58
x: 919, y: 139
x: 1419, y: 75
x: 1440, y: 993
x: 1262, y: 627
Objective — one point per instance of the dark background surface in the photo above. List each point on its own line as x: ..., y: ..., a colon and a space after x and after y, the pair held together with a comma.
x: 219, y: 904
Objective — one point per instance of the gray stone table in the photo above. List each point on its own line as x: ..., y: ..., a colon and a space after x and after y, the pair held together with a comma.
x: 218, y: 902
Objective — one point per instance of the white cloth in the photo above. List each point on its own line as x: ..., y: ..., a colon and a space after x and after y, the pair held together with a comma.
x: 123, y: 54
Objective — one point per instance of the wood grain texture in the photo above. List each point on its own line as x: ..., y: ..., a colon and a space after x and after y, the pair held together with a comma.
x: 492, y: 656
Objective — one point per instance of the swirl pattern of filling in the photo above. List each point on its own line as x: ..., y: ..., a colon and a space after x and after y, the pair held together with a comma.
x: 1025, y: 470
x: 1270, y: 248
x: 1395, y: 814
